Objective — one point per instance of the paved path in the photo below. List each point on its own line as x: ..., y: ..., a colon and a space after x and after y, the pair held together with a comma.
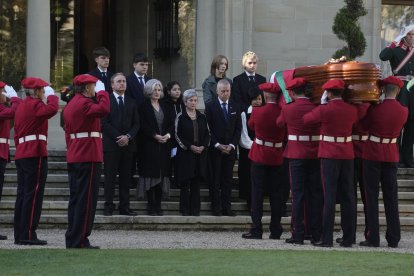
x: 120, y: 239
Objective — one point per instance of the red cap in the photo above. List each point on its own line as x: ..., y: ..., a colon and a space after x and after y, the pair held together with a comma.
x: 272, y: 88
x: 391, y: 80
x: 33, y: 83
x: 2, y: 84
x: 295, y: 83
x: 84, y: 79
x: 333, y: 84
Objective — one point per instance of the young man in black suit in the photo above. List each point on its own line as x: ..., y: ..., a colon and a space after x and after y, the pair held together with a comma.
x: 246, y: 80
x: 224, y: 119
x: 138, y: 78
x: 119, y: 130
x: 102, y: 56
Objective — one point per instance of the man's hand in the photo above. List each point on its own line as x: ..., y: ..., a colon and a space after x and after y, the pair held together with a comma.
x: 122, y: 140
x: 324, y: 99
x: 100, y: 86
x: 49, y: 91
x: 10, y: 92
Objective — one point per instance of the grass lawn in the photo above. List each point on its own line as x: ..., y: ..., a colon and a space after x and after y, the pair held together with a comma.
x: 202, y: 262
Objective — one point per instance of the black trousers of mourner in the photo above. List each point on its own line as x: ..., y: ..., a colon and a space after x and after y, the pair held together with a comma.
x: 31, y: 179
x: 221, y: 180
x: 337, y: 176
x: 359, y: 181
x: 265, y: 177
x: 117, y: 162
x: 406, y: 143
x: 3, y: 163
x: 306, y: 187
x: 84, y: 186
x: 243, y: 173
x: 386, y: 174
x: 190, y: 196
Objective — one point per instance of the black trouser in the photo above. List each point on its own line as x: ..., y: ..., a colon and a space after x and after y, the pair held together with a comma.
x: 306, y: 187
x: 337, y: 176
x: 386, y: 173
x: 190, y: 196
x: 31, y: 179
x: 3, y: 163
x: 285, y: 181
x: 359, y: 179
x: 406, y: 146
x: 117, y: 162
x: 243, y: 172
x: 84, y: 186
x: 154, y: 195
x: 221, y: 180
x: 266, y: 177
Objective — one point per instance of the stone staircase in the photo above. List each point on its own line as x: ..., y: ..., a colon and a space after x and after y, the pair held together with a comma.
x: 57, y: 194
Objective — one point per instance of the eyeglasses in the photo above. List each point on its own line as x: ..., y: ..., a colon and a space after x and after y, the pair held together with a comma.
x: 252, y: 62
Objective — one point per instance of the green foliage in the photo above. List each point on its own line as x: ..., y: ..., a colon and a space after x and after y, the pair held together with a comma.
x: 347, y: 28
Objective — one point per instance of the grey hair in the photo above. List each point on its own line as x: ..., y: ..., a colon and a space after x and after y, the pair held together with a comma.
x: 149, y: 88
x: 222, y: 82
x: 189, y: 93
x: 29, y: 92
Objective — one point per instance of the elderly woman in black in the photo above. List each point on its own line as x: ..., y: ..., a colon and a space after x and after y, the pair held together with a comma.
x: 157, y: 127
x: 193, y: 137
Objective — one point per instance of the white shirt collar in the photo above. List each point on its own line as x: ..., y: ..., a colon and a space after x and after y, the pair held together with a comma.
x: 117, y: 95
x: 139, y: 76
x: 102, y: 71
x: 221, y: 102
x: 249, y: 74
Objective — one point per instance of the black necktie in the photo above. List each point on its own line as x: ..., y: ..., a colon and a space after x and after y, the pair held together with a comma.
x: 104, y: 79
x: 251, y: 78
x: 226, y: 114
x: 141, y: 81
x: 121, y: 107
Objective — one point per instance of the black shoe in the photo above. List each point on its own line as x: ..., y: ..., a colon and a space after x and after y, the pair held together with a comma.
x: 393, y: 245
x: 216, y: 213
x: 307, y: 237
x: 229, y: 213
x: 32, y: 242
x: 293, y: 241
x: 274, y: 237
x: 322, y: 244
x: 252, y: 236
x: 151, y: 212
x: 185, y: 214
x: 91, y: 247
x: 342, y: 244
x: 368, y: 244
x: 159, y: 212
x: 109, y: 209
x: 3, y: 238
x: 339, y: 240
x: 127, y: 212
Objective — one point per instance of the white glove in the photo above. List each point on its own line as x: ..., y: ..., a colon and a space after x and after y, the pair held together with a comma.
x: 10, y: 92
x: 99, y: 86
x: 324, y: 99
x: 49, y: 91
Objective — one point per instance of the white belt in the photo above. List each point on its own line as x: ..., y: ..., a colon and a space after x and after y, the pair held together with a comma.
x: 32, y: 138
x: 304, y: 137
x: 337, y: 139
x: 4, y: 141
x: 382, y: 140
x: 359, y: 137
x: 93, y: 134
x: 268, y: 144
x: 405, y: 78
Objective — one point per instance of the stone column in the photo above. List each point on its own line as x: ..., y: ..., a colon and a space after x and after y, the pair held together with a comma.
x: 38, y: 39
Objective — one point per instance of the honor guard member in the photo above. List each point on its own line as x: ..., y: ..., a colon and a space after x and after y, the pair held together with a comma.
x: 380, y: 158
x: 304, y: 165
x: 336, y: 151
x: 400, y: 54
x: 84, y: 156
x: 30, y: 137
x: 6, y: 114
x: 266, y: 155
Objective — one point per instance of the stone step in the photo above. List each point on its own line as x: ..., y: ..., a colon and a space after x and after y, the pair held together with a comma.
x: 181, y: 222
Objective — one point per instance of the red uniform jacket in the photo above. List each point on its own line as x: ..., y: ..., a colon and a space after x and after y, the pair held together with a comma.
x: 82, y: 115
x: 384, y: 120
x: 360, y: 131
x: 336, y: 120
x: 292, y: 116
x: 31, y: 118
x: 263, y: 123
x: 7, y: 113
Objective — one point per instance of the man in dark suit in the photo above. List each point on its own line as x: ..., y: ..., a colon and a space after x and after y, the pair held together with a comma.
x: 224, y: 119
x: 119, y: 130
x: 102, y: 56
x: 138, y: 78
x: 246, y: 80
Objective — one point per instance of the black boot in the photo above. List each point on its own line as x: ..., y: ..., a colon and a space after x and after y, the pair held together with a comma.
x: 157, y: 200
x: 151, y: 206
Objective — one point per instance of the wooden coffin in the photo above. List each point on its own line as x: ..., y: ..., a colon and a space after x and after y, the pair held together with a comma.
x: 361, y: 79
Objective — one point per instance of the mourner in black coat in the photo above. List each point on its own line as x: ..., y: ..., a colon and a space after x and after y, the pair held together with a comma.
x: 193, y: 138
